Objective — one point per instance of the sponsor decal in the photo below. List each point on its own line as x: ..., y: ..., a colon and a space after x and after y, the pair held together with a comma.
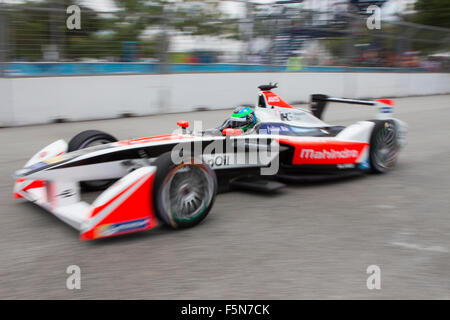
x: 37, y: 166
x: 66, y: 193
x: 328, y: 154
x: 325, y: 151
x: 115, y: 228
x: 292, y: 116
x: 346, y: 166
x: 386, y: 110
x: 54, y: 160
x: 273, y: 99
x: 42, y: 154
x: 389, y: 125
x: 275, y: 128
x: 219, y: 161
x: 286, y: 116
x: 365, y: 165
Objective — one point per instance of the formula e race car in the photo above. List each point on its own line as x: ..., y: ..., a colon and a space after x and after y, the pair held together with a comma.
x: 173, y: 179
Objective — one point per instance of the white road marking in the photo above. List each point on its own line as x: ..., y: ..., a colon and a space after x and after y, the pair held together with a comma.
x: 420, y: 247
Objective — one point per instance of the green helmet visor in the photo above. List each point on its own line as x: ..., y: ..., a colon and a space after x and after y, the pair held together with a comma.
x: 242, y: 118
x: 236, y: 123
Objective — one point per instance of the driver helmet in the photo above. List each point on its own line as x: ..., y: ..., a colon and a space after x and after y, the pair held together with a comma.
x: 242, y: 118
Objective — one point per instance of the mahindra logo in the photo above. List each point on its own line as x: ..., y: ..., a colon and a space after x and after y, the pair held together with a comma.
x: 328, y: 154
x: 273, y: 99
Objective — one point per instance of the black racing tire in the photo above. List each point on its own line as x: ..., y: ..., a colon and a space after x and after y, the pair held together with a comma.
x: 87, y: 139
x: 384, y: 146
x: 193, y: 185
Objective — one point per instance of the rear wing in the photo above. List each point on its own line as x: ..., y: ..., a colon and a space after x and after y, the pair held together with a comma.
x: 319, y: 103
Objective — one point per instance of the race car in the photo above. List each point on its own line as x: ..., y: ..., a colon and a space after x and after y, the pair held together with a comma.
x: 173, y: 179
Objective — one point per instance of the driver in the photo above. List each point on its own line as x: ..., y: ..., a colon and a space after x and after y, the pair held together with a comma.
x: 243, y: 118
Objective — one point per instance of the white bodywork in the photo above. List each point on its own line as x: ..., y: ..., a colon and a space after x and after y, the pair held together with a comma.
x: 293, y: 117
x: 52, y: 150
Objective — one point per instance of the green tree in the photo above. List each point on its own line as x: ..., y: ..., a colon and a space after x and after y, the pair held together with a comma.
x: 433, y: 13
x: 36, y: 25
x: 32, y: 28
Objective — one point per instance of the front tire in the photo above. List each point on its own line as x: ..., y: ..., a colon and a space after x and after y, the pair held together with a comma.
x: 384, y: 146
x: 183, y: 194
x: 86, y: 139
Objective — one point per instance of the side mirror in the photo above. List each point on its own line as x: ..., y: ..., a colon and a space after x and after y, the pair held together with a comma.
x: 231, y: 132
x: 183, y: 124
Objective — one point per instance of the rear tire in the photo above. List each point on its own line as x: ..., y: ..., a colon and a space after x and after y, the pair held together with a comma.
x: 183, y: 194
x: 384, y: 146
x: 86, y: 139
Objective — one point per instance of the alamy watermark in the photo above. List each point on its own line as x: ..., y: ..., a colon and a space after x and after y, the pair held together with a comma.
x: 374, y: 280
x: 73, y: 22
x: 73, y: 281
x: 373, y: 22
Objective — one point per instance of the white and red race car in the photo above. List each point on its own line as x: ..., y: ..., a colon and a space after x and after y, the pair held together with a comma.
x: 173, y: 179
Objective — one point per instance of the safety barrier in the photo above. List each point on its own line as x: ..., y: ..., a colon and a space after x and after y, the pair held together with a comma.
x: 33, y: 100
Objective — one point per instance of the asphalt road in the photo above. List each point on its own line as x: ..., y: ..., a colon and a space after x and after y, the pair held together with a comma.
x: 307, y: 241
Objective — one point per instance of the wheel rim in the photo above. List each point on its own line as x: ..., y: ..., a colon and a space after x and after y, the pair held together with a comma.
x: 385, y: 148
x: 187, y: 193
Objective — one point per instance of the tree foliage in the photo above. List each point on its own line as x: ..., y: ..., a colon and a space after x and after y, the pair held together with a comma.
x: 104, y: 35
x: 433, y: 13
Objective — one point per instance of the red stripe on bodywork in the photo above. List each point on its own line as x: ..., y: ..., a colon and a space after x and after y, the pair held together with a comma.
x: 35, y: 184
x: 274, y: 100
x: 389, y: 102
x: 166, y: 137
x: 138, y: 205
x: 97, y: 210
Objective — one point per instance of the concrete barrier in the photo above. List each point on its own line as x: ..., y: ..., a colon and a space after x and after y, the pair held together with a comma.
x: 44, y: 99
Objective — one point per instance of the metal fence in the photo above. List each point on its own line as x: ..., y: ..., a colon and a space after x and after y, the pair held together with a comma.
x: 168, y: 39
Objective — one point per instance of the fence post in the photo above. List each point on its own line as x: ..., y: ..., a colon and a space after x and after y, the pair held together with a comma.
x: 249, y: 29
x: 3, y: 40
x: 273, y: 35
x: 350, y: 42
x: 164, y: 44
x: 164, y: 67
